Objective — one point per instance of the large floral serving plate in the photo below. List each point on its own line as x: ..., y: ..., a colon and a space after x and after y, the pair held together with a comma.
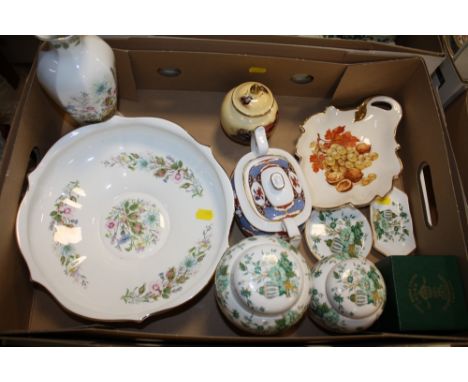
x: 349, y: 156
x: 125, y: 218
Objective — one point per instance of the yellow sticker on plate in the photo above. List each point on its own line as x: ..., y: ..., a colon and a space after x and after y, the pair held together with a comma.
x: 202, y: 214
x: 386, y: 200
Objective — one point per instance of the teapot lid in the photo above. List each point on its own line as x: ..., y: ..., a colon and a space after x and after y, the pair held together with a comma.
x: 271, y: 188
x: 355, y: 288
x: 252, y: 99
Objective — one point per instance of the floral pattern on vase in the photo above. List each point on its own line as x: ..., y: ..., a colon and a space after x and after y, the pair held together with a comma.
x: 78, y: 72
x: 171, y: 281
x: 166, y: 168
x: 343, y: 231
x: 95, y: 105
x: 62, y: 216
x: 133, y: 225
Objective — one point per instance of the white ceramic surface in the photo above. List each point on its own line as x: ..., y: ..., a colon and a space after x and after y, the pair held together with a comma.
x: 78, y: 72
x: 344, y: 231
x: 348, y: 295
x: 271, y: 191
x: 263, y: 285
x: 349, y: 156
x: 392, y: 226
x: 125, y: 218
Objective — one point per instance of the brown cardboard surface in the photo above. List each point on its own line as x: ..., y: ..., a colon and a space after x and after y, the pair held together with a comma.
x: 39, y: 123
x: 430, y: 48
x: 418, y: 145
x: 408, y: 44
x: 224, y: 72
x: 210, y: 45
x: 457, y: 124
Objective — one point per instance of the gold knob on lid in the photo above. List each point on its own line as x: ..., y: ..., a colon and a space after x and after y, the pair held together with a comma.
x: 252, y: 99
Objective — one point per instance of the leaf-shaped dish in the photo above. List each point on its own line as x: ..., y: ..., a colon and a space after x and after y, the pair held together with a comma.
x: 349, y: 156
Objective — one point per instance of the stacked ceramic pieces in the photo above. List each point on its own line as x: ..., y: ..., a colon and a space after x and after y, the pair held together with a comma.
x: 349, y: 160
x: 263, y: 283
x: 124, y: 219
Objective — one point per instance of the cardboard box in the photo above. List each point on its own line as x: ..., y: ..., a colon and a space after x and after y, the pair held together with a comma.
x: 424, y: 293
x: 457, y: 124
x: 208, y: 70
x: 430, y: 48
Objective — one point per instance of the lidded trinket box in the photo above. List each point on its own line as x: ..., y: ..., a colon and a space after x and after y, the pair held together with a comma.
x: 246, y: 107
x: 348, y: 294
x: 263, y: 285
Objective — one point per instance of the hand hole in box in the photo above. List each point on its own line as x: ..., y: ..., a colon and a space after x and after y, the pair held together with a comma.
x: 302, y: 78
x: 169, y: 72
x: 382, y: 105
x: 428, y: 197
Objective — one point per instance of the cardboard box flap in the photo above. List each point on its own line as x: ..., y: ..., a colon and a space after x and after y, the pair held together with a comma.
x: 212, y: 45
x: 364, y: 80
x: 405, y: 44
x: 361, y: 81
x: 221, y: 72
x: 126, y: 81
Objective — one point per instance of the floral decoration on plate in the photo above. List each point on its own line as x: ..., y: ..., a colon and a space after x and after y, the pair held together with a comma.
x: 143, y: 232
x: 171, y: 281
x: 133, y: 225
x: 64, y: 224
x: 166, y: 168
x: 342, y: 232
x: 392, y: 225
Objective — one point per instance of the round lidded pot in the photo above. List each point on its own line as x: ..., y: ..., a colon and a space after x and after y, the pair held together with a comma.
x: 270, y: 192
x: 245, y: 107
x: 263, y: 285
x: 348, y: 294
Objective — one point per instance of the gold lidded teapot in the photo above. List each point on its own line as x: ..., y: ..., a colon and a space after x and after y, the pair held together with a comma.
x: 245, y: 107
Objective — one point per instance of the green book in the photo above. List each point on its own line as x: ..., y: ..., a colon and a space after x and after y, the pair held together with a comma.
x: 424, y: 293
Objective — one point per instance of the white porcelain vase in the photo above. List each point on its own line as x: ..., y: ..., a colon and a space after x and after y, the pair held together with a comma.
x: 78, y: 72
